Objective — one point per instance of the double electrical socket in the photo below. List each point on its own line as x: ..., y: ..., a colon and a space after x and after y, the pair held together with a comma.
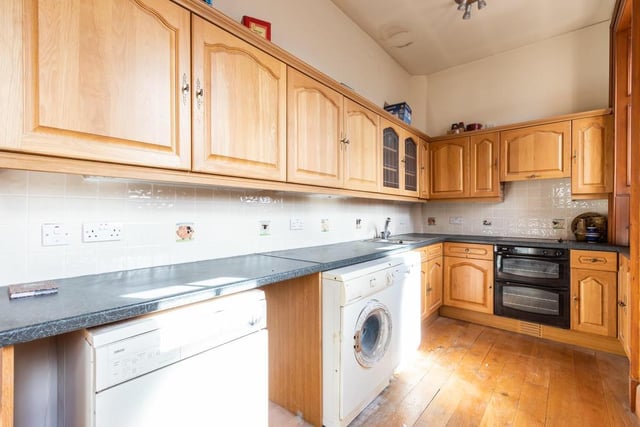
x: 101, y: 231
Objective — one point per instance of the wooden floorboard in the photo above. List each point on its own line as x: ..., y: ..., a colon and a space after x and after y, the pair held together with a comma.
x: 471, y: 375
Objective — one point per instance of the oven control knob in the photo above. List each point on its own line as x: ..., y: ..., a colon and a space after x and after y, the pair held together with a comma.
x: 545, y: 253
x: 558, y: 253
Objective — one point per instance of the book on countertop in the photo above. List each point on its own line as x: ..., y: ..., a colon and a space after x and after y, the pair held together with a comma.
x: 32, y: 289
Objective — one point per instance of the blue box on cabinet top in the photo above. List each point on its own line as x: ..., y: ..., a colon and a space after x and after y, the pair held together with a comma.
x: 401, y: 111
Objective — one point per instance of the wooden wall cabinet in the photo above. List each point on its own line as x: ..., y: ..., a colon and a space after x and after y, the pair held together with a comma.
x: 431, y: 279
x: 536, y: 152
x: 423, y: 157
x: 465, y: 167
x: 239, y: 106
x: 484, y: 157
x: 332, y: 141
x: 315, y: 132
x: 593, y: 292
x: 106, y: 81
x: 448, y: 169
x: 624, y: 313
x: 362, y: 147
x: 468, y: 276
x: 400, y: 150
x: 592, y: 158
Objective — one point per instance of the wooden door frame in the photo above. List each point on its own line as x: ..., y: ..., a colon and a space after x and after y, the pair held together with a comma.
x: 634, y: 208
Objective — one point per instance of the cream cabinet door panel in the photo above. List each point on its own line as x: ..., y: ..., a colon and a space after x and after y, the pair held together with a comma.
x: 483, y: 165
x: 239, y: 122
x: 314, y: 148
x: 103, y: 81
x: 592, y: 145
x: 594, y: 301
x: 536, y: 152
x: 362, y: 148
x: 448, y: 168
x: 424, y: 169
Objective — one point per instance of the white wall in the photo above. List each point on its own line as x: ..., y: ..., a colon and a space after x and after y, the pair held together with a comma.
x: 320, y: 34
x: 564, y: 74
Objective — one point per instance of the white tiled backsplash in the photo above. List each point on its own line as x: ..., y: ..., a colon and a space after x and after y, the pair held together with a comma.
x: 529, y: 209
x: 227, y: 222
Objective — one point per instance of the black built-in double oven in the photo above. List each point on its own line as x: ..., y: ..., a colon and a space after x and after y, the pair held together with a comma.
x: 532, y: 284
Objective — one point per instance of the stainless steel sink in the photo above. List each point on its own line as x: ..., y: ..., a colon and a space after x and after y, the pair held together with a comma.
x: 395, y: 241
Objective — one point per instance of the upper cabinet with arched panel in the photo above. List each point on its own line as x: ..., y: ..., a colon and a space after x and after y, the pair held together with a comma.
x: 96, y: 80
x: 239, y: 106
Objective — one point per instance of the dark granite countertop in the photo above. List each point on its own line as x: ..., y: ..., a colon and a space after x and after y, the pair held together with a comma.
x: 92, y: 300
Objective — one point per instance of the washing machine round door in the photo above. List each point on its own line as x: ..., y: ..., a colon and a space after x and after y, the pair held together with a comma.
x: 373, y: 334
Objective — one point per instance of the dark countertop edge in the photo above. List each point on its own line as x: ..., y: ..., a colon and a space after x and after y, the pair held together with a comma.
x: 69, y: 324
x: 64, y: 325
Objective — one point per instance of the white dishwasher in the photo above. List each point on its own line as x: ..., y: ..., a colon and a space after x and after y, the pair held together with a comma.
x: 200, y: 365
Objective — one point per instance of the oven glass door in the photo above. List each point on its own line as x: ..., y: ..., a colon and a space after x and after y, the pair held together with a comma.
x: 532, y: 303
x: 539, y: 271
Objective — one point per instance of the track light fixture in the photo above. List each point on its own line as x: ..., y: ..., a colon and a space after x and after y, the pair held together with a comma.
x: 466, y: 6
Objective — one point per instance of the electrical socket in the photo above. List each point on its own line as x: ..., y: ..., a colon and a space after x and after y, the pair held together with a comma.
x: 457, y: 220
x: 101, y: 231
x: 296, y: 224
x: 55, y: 234
x: 324, y: 225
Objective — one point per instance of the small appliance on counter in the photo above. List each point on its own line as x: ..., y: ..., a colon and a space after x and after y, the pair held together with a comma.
x: 590, y: 227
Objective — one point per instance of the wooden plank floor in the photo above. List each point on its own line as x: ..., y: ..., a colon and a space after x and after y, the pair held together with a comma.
x: 471, y: 375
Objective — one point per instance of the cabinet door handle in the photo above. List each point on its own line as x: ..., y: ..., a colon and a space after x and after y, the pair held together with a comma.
x: 622, y: 304
x: 575, y: 299
x: 199, y: 94
x: 185, y: 89
x: 533, y: 175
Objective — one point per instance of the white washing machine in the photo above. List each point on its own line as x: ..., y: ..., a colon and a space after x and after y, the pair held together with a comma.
x: 371, y: 319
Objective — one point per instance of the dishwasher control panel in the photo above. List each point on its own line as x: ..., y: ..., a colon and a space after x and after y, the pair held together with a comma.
x: 132, y: 348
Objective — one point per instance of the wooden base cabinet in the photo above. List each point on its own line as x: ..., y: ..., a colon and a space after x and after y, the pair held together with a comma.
x: 431, y: 279
x: 6, y: 386
x: 106, y: 81
x: 624, y: 314
x: 468, y: 276
x: 593, y: 292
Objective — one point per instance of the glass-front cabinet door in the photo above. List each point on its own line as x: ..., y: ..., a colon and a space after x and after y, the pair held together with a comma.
x: 390, y: 158
x: 399, y: 160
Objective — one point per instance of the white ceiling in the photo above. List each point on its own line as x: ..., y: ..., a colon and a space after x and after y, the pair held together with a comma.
x: 435, y: 37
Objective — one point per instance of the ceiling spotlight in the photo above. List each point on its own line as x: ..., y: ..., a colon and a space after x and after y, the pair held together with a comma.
x: 466, y: 6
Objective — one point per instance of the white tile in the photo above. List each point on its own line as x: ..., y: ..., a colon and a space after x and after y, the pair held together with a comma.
x: 46, y: 184
x: 78, y: 186
x: 13, y: 182
x: 13, y: 209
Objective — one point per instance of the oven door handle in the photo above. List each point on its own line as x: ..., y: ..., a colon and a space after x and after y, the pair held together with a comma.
x: 529, y: 285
